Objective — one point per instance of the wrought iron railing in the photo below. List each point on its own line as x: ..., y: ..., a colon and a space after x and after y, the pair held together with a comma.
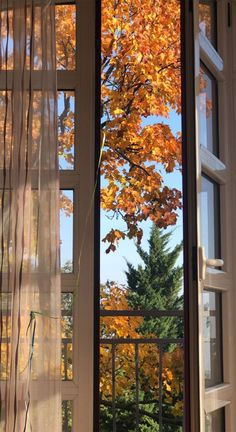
x: 160, y: 415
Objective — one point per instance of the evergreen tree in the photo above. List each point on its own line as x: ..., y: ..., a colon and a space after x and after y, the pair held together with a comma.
x: 156, y: 285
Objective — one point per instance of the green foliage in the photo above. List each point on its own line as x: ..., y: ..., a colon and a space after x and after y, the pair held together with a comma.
x: 157, y: 285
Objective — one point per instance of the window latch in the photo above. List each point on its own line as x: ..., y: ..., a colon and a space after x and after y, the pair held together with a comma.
x: 207, y: 262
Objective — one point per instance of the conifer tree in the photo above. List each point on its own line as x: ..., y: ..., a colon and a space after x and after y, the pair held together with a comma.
x: 157, y: 284
x: 154, y: 285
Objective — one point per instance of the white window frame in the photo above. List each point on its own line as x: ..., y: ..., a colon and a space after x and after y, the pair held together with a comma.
x: 81, y: 180
x: 219, y: 170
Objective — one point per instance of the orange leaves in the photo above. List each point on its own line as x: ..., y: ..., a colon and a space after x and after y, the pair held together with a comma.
x: 114, y: 297
x: 113, y: 238
x: 141, y: 79
x: 66, y: 204
x: 65, y: 36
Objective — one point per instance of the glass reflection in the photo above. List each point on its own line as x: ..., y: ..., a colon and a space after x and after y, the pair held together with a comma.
x: 207, y: 19
x: 210, y: 215
x: 208, y: 111
x: 66, y: 36
x: 66, y: 128
x: 5, y: 301
x: 66, y: 230
x: 67, y: 406
x: 67, y: 329
x: 212, y: 338
x: 215, y: 421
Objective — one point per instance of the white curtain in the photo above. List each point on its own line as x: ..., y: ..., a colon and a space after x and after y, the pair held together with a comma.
x: 30, y: 347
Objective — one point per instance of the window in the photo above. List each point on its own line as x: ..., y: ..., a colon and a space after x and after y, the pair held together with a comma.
x: 212, y: 338
x: 208, y: 111
x: 215, y: 206
x: 215, y: 421
x: 207, y: 19
x: 155, y: 301
x: 66, y: 50
x: 210, y: 217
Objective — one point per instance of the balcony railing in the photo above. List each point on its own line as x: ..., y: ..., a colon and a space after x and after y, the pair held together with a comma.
x: 141, y: 379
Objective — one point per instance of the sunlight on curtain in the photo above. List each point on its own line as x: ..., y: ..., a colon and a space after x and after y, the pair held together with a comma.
x: 29, y: 228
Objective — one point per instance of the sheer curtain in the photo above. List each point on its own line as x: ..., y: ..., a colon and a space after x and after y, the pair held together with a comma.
x: 29, y: 228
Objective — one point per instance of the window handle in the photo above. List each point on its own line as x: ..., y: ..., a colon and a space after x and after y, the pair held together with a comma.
x: 214, y: 262
x: 207, y: 262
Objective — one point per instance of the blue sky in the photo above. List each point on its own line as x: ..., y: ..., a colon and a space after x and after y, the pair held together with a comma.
x: 113, y: 265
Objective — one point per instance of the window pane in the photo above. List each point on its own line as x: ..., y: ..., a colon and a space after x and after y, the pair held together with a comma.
x: 210, y: 216
x: 208, y: 111
x: 67, y: 407
x: 67, y: 331
x: 66, y: 128
x: 212, y: 338
x: 66, y: 230
x: 215, y: 421
x: 66, y: 36
x: 5, y: 302
x: 207, y: 19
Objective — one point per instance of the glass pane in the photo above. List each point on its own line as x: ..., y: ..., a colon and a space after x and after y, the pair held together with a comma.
x: 5, y: 302
x: 67, y: 330
x: 66, y: 230
x: 208, y: 111
x: 207, y: 19
x: 215, y: 421
x: 67, y: 407
x: 141, y: 282
x: 6, y: 36
x: 66, y: 128
x: 66, y: 36
x: 212, y: 338
x: 210, y: 217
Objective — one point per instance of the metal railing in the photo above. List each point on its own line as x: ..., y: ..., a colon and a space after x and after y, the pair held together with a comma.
x: 115, y: 405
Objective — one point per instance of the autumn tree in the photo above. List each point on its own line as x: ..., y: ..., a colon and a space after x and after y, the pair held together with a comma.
x: 123, y: 327
x: 140, y: 81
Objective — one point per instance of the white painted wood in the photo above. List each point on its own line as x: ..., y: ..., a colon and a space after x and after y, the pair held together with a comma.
x: 210, y: 56
x: 217, y: 397
x: 220, y: 170
x: 213, y: 166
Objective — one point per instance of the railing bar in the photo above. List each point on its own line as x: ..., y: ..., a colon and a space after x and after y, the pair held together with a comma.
x: 129, y: 406
x: 144, y: 313
x: 137, y: 386
x: 160, y: 389
x: 158, y: 341
x: 113, y: 387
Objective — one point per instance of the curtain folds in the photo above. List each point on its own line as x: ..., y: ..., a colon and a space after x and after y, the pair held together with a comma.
x: 30, y: 349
